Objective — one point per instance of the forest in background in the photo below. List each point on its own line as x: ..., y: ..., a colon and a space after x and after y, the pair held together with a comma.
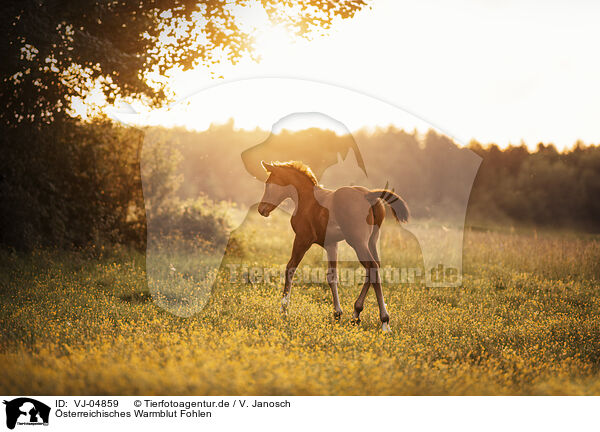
x: 77, y: 185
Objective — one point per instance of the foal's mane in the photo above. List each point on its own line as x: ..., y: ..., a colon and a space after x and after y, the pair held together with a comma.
x: 301, y: 167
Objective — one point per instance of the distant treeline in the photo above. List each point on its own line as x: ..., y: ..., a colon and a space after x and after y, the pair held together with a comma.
x: 540, y: 188
x: 73, y: 184
x: 514, y: 186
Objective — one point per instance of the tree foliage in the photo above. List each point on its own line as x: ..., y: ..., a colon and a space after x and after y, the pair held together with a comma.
x: 55, y: 50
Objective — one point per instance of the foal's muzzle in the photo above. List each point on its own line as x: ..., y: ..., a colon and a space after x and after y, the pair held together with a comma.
x: 265, y: 209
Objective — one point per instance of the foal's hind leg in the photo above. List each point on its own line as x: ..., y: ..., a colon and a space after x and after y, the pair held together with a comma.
x: 383, y: 313
x: 373, y: 244
x: 360, y: 301
x: 332, y: 278
x: 378, y: 290
x: 372, y: 268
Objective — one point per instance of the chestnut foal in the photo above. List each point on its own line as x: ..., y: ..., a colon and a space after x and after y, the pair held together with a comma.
x: 326, y: 217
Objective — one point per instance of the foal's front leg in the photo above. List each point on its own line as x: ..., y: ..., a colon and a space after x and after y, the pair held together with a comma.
x: 298, y: 250
x: 332, y: 278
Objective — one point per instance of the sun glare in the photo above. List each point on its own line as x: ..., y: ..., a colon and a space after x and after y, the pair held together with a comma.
x: 388, y: 53
x: 273, y: 41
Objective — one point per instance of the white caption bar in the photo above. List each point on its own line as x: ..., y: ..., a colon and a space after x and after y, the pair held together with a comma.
x: 116, y: 413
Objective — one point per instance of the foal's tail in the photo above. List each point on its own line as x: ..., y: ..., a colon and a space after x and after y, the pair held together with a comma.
x: 395, y: 201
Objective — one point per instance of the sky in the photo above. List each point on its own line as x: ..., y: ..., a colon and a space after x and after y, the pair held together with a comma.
x: 492, y: 70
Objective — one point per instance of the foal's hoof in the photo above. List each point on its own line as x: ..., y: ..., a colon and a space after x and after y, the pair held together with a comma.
x: 355, y: 318
x: 385, y: 327
x: 337, y: 315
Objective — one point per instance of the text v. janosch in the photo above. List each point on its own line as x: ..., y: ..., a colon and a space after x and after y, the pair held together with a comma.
x: 266, y: 404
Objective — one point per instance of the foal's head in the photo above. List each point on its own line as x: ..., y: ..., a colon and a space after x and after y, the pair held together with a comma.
x: 284, y: 181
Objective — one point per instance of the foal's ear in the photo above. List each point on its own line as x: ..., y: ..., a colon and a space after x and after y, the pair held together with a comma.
x: 266, y: 166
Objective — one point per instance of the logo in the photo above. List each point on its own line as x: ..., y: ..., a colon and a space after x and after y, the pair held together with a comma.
x: 26, y: 411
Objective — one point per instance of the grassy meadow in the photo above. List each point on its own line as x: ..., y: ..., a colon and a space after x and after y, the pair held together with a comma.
x: 525, y: 321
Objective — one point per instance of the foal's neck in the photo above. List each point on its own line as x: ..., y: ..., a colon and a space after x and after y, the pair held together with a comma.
x: 305, y: 195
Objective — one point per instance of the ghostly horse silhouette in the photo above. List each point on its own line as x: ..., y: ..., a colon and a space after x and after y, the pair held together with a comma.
x: 442, y: 188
